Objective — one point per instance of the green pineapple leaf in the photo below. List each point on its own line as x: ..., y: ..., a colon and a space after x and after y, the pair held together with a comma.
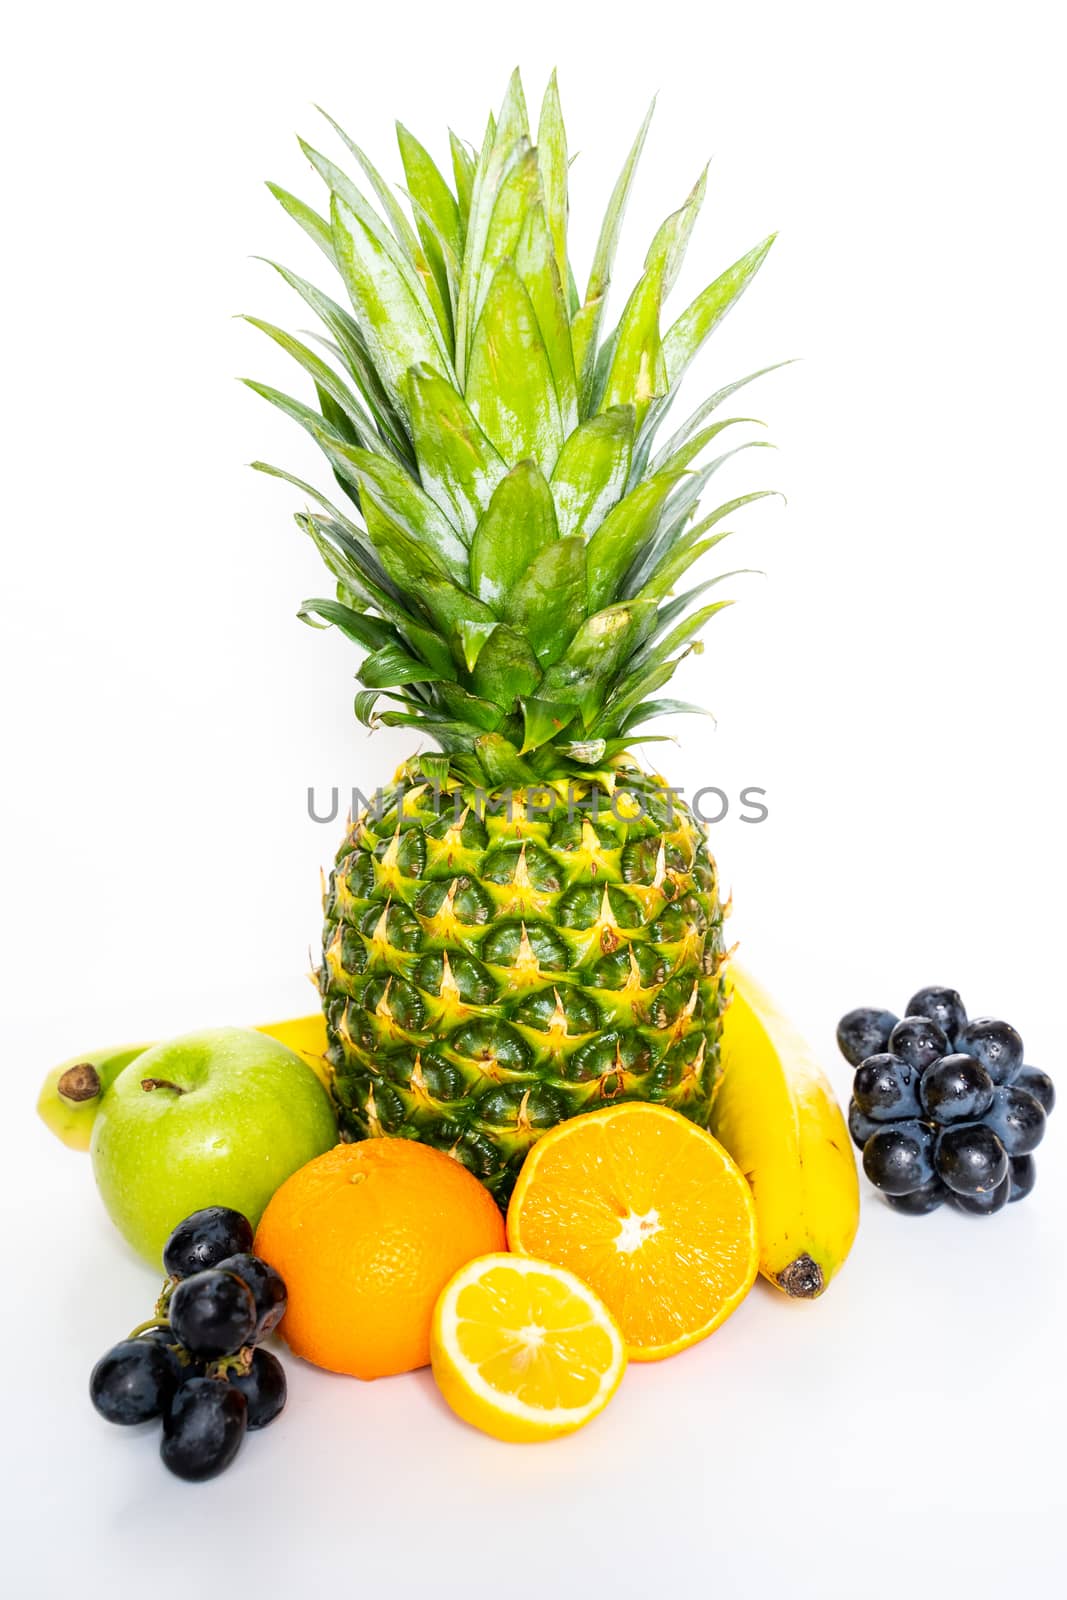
x: 543, y: 721
x: 406, y: 503
x: 704, y: 410
x: 404, y: 233
x: 673, y: 556
x: 683, y: 631
x: 500, y: 761
x: 519, y: 522
x: 395, y: 325
x: 520, y: 190
x: 676, y: 535
x: 355, y: 565
x: 459, y: 467
x: 463, y: 167
x: 585, y: 672
x: 364, y: 704
x: 370, y: 632
x: 332, y: 443
x: 509, y: 380
x: 592, y: 470
x: 535, y: 264
x: 549, y: 598
x: 504, y: 144
x: 506, y: 669
x: 636, y: 375
x: 646, y: 672
x: 667, y: 250
x: 316, y: 227
x: 586, y: 327
x: 647, y: 710
x: 474, y: 633
x: 437, y: 217
x: 298, y: 483
x: 392, y: 667
x: 626, y: 531
x: 357, y: 361
x: 460, y: 616
x: 326, y: 380
x: 687, y: 453
x: 470, y: 708
x: 699, y: 320
x: 552, y: 160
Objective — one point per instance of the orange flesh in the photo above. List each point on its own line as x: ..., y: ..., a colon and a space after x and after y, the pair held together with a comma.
x: 651, y: 1212
x: 532, y: 1338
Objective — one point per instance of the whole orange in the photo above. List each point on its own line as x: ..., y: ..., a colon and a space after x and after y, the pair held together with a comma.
x: 366, y: 1237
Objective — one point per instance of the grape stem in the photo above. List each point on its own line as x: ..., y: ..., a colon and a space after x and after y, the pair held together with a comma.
x: 240, y: 1363
x: 143, y: 1327
x: 163, y: 1303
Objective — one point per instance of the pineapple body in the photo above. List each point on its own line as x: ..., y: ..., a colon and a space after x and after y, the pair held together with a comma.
x: 494, y: 962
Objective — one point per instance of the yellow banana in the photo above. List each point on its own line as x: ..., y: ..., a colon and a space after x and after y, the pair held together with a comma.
x: 306, y: 1036
x: 72, y: 1091
x: 777, y: 1116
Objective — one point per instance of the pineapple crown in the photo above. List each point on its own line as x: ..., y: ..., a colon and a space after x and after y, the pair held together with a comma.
x: 514, y: 537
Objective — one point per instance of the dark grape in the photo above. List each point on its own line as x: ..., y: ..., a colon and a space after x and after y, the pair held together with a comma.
x: 919, y: 1201
x: 971, y: 1159
x: 897, y: 1157
x: 983, y: 1205
x: 1023, y: 1176
x: 864, y: 1032
x: 996, y: 1045
x: 942, y: 1006
x: 1017, y: 1118
x: 860, y: 1125
x: 956, y: 1089
x: 919, y: 1042
x: 133, y: 1382
x: 203, y: 1428
x: 1037, y: 1083
x: 263, y: 1386
x: 213, y: 1314
x: 268, y: 1290
x: 204, y: 1239
x: 163, y: 1338
x: 885, y: 1089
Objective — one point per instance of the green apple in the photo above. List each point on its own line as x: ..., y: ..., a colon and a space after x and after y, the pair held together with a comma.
x: 216, y: 1118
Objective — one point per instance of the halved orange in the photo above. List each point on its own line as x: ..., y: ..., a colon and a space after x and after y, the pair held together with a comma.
x: 651, y: 1212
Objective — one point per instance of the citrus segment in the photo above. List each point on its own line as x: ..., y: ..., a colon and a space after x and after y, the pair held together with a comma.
x: 650, y: 1211
x: 524, y: 1350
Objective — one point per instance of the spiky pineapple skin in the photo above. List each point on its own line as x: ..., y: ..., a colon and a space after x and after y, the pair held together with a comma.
x: 486, y: 975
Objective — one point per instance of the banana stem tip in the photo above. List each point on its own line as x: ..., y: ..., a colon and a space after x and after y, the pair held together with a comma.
x: 802, y: 1279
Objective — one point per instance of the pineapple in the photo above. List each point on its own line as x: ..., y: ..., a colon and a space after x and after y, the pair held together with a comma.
x: 527, y: 925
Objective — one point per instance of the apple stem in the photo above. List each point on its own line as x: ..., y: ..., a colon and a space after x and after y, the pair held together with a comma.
x: 160, y: 1083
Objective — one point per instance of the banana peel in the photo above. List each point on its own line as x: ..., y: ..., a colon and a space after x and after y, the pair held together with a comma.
x: 777, y: 1115
x: 72, y: 1091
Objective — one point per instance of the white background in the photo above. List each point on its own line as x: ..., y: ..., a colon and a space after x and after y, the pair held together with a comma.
x: 895, y: 684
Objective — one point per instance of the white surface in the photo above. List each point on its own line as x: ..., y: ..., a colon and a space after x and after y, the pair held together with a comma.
x: 895, y: 686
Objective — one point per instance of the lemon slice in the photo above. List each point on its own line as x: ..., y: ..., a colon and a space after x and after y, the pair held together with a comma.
x: 524, y: 1350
